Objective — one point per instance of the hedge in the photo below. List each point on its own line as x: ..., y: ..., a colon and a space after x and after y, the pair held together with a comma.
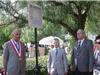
x: 30, y: 65
x: 31, y: 69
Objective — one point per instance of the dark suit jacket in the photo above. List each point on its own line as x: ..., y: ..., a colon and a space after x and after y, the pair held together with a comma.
x: 84, y: 55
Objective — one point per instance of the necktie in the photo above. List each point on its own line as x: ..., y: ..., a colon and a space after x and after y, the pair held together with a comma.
x: 78, y: 48
x: 56, y: 61
x: 79, y: 43
x: 56, y: 52
x: 18, y: 47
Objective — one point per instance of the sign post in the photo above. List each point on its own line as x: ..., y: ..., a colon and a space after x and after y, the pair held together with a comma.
x: 35, y: 20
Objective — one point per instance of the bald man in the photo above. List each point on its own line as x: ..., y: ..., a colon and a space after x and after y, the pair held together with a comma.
x: 14, y: 55
x: 82, y: 56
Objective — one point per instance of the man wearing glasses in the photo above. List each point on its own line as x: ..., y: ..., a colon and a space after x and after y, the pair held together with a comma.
x: 96, y: 70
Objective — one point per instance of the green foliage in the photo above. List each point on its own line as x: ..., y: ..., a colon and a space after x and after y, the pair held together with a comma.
x: 30, y: 65
x: 5, y: 34
x: 22, y: 3
x: 71, y: 15
x: 31, y: 62
x: 42, y: 65
x: 49, y: 29
x: 64, y: 11
x: 27, y: 34
x: 93, y: 20
x: 1, y: 65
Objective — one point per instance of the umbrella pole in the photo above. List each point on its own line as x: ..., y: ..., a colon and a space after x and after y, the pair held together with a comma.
x: 36, y: 52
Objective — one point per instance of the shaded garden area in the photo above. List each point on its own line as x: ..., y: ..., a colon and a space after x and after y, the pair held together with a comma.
x: 60, y: 18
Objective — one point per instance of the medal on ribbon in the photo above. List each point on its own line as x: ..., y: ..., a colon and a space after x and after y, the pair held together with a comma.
x: 19, y: 53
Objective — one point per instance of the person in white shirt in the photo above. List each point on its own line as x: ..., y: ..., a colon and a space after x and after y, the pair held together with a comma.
x: 57, y: 61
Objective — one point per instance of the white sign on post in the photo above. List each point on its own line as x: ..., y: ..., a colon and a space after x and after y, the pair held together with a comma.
x: 34, y: 15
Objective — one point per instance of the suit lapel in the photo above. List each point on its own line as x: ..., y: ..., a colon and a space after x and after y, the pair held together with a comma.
x: 84, y: 42
x: 80, y: 48
x: 77, y: 45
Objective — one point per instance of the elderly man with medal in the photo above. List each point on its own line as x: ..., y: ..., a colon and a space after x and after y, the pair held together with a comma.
x: 14, y: 60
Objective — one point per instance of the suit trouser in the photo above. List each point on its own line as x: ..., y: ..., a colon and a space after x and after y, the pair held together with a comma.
x: 77, y: 72
x: 55, y: 73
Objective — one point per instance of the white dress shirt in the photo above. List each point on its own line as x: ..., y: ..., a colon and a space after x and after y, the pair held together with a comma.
x: 81, y: 41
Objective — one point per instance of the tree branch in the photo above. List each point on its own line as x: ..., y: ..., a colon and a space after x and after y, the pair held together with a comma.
x: 8, y: 8
x: 74, y: 13
x: 8, y: 23
x: 73, y: 2
x: 71, y: 31
x: 56, y: 3
x: 88, y: 7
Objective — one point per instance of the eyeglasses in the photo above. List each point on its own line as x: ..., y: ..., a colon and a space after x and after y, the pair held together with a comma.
x: 97, y: 42
x: 17, y: 34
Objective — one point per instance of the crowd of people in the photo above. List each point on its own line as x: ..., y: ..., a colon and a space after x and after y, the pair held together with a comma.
x: 84, y: 61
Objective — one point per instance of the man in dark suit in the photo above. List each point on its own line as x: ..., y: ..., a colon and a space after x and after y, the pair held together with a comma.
x: 82, y: 55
